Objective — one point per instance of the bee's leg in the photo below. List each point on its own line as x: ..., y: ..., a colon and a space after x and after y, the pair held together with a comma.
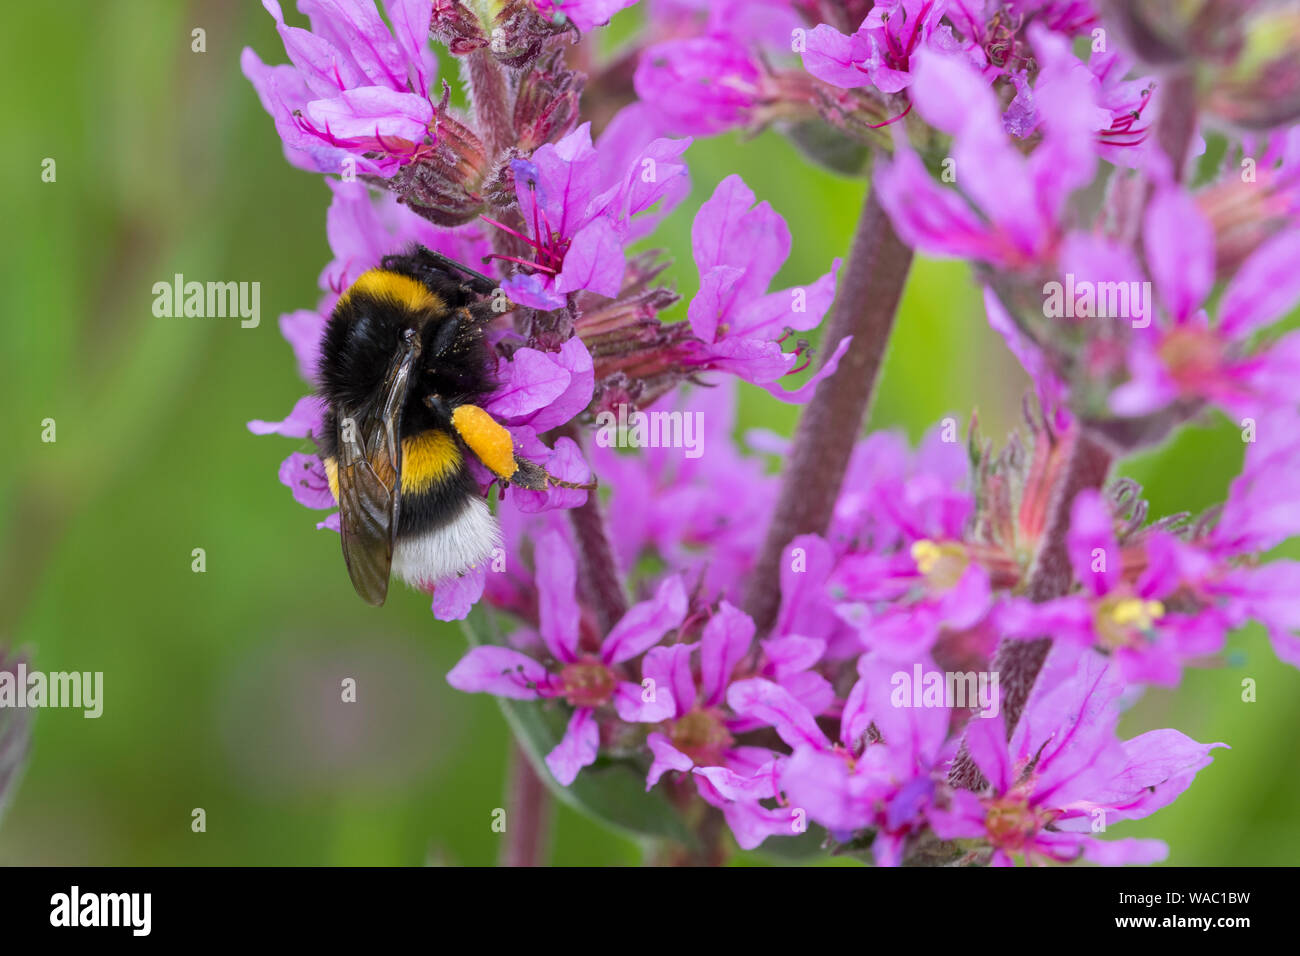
x: 536, y: 478
x: 433, y: 268
x: 492, y: 443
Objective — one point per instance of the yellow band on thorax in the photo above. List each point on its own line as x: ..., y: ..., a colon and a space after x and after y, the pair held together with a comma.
x: 385, y: 284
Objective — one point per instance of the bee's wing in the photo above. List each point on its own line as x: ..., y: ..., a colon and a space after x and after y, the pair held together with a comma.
x: 369, y: 478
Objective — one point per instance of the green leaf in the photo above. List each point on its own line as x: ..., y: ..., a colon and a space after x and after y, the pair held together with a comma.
x: 610, y: 791
x: 801, y: 847
x: 830, y: 148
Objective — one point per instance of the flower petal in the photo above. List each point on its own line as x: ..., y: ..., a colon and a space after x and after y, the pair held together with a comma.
x: 500, y: 671
x: 578, y: 748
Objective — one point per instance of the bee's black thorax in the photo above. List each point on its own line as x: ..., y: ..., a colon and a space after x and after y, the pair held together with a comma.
x: 367, y: 332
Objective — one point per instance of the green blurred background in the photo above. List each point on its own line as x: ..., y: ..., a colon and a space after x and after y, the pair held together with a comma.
x: 222, y: 688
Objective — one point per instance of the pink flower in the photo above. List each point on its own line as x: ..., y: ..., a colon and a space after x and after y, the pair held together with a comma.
x: 585, y: 14
x: 588, y: 680
x: 1007, y: 209
x: 880, y: 53
x: 884, y: 780
x: 580, y: 212
x: 357, y: 94
x: 702, y: 510
x: 1185, y: 355
x: 700, y: 86
x: 739, y: 325
x: 1125, y: 616
x: 1063, y: 772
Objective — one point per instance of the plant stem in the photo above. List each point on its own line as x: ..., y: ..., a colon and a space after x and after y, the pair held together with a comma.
x: 1018, y: 662
x: 598, y: 581
x: 528, y: 811
x: 1176, y: 124
x: 867, y: 300
x: 597, y: 573
x: 489, y: 95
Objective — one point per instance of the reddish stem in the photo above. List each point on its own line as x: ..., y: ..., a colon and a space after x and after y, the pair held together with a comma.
x: 528, y: 812
x: 871, y: 286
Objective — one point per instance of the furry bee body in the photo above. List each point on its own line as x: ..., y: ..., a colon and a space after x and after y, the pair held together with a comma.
x: 441, y: 524
x: 404, y: 365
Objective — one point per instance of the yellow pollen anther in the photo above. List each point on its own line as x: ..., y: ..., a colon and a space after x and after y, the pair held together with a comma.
x: 926, y: 554
x: 942, y: 564
x: 1137, y: 613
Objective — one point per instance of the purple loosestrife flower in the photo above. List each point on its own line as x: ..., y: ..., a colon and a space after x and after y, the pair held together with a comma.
x: 1124, y: 100
x: 1064, y: 770
x: 584, y: 14
x: 1221, y: 571
x: 1246, y: 210
x: 356, y: 88
x: 905, y: 571
x: 1122, y: 607
x: 742, y: 792
x: 739, y: 325
x: 766, y: 24
x: 700, y: 731
x: 711, y: 67
x: 1184, y: 355
x: 703, y: 85
x: 736, y: 326
x: 1008, y: 209
x: 881, y: 774
x: 697, y: 731
x: 880, y: 53
x: 701, y: 510
x: 1060, y: 16
x: 577, y: 665
x: 580, y: 215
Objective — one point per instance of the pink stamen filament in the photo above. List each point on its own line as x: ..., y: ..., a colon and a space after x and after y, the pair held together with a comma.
x: 518, y: 235
x: 891, y: 120
x: 523, y: 262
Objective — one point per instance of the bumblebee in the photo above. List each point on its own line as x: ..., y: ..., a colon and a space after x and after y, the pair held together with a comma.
x: 404, y: 367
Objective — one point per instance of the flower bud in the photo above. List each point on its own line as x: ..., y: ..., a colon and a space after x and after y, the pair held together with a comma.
x: 546, y: 106
x: 445, y: 184
x: 1246, y: 52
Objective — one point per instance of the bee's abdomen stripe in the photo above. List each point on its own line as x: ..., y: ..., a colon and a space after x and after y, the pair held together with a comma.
x: 429, y: 459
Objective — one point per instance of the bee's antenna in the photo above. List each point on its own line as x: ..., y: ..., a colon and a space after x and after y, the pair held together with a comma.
x: 560, y: 483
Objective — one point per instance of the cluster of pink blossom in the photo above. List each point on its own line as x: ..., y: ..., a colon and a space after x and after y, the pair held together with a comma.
x: 943, y: 673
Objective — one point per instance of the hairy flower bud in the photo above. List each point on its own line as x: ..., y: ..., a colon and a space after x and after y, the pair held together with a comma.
x: 513, y: 30
x: 1246, y: 213
x: 456, y: 27
x: 546, y: 104
x: 1246, y: 52
x: 1260, y: 87
x: 445, y: 185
